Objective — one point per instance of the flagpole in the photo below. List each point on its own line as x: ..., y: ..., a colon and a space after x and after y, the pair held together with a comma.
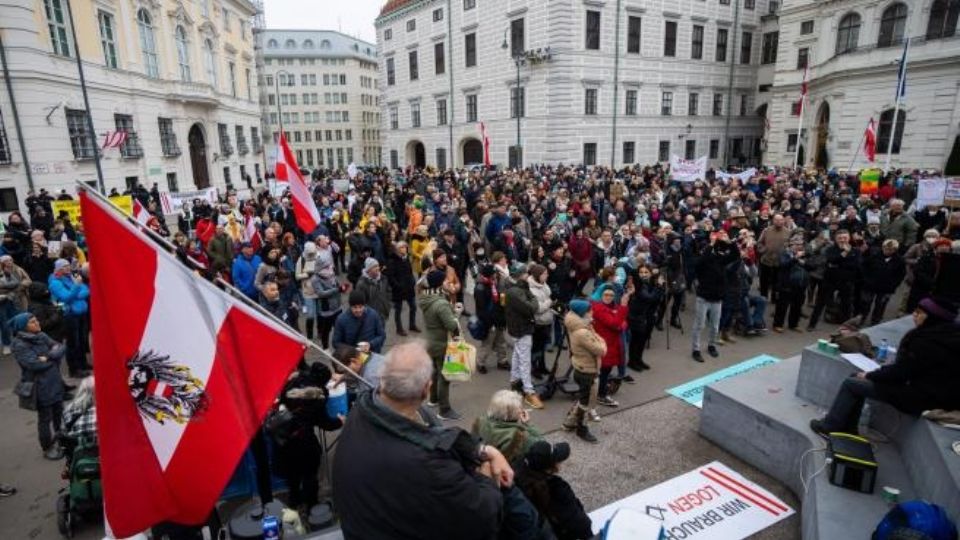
x: 796, y: 154
x: 227, y: 286
x: 86, y: 100
x: 856, y: 153
x: 901, y: 80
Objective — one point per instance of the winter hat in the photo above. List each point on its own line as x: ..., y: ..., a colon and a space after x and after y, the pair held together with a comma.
x: 543, y: 456
x: 435, y: 279
x: 309, y: 250
x: 370, y: 263
x: 19, y: 322
x: 580, y: 307
x: 487, y: 270
x: 357, y: 298
x: 59, y: 264
x: 940, y: 308
x: 517, y: 269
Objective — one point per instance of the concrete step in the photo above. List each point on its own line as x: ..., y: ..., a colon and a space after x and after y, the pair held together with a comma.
x: 758, y: 417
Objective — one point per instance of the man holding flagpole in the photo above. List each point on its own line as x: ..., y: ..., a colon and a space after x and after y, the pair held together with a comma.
x: 901, y: 91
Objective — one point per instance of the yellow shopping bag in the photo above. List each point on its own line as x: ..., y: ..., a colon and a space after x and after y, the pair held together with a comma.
x: 460, y: 361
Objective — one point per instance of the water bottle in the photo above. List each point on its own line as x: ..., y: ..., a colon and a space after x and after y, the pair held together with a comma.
x: 882, y: 351
x: 271, y: 528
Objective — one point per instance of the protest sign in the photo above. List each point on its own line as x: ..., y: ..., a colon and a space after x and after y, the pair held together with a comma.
x: 72, y: 208
x: 742, y: 176
x: 352, y: 170
x: 687, y: 170
x: 341, y: 185
x: 692, y: 392
x: 930, y: 191
x: 173, y: 202
x: 712, y: 502
x: 870, y: 181
x: 951, y: 193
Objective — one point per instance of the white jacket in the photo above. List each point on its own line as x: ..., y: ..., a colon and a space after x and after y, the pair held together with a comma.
x: 541, y: 291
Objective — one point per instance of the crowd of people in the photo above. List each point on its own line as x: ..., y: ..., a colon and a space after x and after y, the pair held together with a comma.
x: 590, y: 259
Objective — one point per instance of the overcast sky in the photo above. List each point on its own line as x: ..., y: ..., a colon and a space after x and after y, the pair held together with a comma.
x: 352, y: 17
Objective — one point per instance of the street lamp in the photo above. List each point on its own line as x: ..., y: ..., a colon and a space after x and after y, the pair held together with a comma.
x: 534, y: 56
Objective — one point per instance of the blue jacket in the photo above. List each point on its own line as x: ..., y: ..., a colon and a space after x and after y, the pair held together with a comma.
x: 351, y: 330
x: 244, y: 272
x: 73, y: 296
x: 496, y: 225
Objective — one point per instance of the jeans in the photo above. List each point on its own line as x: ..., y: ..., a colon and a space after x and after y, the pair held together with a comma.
x: 398, y: 309
x: 732, y: 307
x: 754, y: 308
x: 497, y: 344
x: 7, y: 311
x: 768, y: 280
x: 46, y: 416
x: 844, y: 414
x: 878, y: 301
x: 520, y: 361
x: 440, y: 389
x: 324, y: 326
x: 75, y: 327
x: 604, y: 377
x: 706, y: 310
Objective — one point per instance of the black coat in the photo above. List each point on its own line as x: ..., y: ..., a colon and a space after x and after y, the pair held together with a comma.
x: 457, y: 256
x: 642, y: 308
x: 882, y: 274
x: 926, y: 374
x: 401, y: 479
x: 711, y: 270
x: 521, y: 306
x: 399, y: 274
x: 555, y: 500
x: 840, y: 268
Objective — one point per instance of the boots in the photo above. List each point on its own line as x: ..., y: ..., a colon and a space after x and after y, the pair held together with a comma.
x: 572, y: 419
x: 584, y: 433
x: 725, y: 336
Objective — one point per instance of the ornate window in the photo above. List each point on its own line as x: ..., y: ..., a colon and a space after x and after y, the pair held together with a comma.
x: 210, y: 63
x: 148, y: 44
x: 183, y: 53
x: 892, y: 24
x: 848, y: 33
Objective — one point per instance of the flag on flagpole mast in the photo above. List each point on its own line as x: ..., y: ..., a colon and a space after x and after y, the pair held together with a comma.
x: 113, y: 139
x: 486, y: 145
x: 803, y: 99
x: 901, y: 91
x: 185, y: 376
x: 287, y: 170
x: 870, y: 141
x: 139, y: 212
x: 251, y: 233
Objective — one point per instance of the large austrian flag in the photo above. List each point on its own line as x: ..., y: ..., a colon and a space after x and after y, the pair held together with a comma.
x: 185, y: 375
x: 287, y: 170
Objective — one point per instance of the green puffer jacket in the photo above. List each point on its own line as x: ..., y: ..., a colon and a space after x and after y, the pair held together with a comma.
x: 439, y: 321
x: 512, y: 439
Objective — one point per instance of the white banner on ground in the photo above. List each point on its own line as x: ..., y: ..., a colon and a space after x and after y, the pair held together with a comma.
x: 742, y: 176
x: 172, y: 202
x: 712, y: 502
x: 931, y: 191
x: 687, y: 170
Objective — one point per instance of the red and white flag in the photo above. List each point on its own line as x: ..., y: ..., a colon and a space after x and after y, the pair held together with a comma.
x: 870, y: 141
x: 113, y: 139
x: 486, y: 144
x: 251, y: 233
x: 140, y: 213
x: 803, y: 85
x: 185, y: 375
x: 287, y: 170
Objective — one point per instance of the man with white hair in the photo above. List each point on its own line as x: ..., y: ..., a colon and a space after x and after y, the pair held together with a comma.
x: 899, y: 225
x: 400, y: 474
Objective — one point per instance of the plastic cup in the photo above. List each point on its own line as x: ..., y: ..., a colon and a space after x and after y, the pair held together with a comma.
x: 891, y: 496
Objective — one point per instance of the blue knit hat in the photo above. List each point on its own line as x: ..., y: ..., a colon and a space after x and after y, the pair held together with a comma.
x: 580, y: 307
x: 19, y: 322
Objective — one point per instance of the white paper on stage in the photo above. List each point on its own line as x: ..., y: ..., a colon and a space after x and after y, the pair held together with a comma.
x: 862, y: 362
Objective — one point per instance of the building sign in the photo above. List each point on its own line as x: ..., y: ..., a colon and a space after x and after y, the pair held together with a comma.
x: 57, y: 167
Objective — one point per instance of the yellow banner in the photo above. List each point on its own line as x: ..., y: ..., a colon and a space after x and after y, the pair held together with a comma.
x: 72, y: 208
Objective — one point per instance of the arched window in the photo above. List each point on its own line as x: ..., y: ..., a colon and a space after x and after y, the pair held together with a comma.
x: 308, y: 44
x: 848, y: 33
x: 943, y: 19
x: 148, y: 44
x: 210, y: 63
x: 183, y: 54
x: 325, y: 44
x: 273, y: 44
x: 290, y: 44
x: 885, y: 127
x: 892, y: 24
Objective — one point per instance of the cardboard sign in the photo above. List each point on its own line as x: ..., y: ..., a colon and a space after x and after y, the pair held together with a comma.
x: 692, y: 392
x: 930, y: 191
x: 712, y: 502
x: 951, y: 193
x: 686, y: 170
x: 124, y: 202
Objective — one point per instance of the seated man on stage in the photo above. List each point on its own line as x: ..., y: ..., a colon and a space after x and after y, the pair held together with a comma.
x: 925, y: 375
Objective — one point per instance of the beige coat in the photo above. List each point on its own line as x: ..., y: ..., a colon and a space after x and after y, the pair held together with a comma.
x: 586, y: 346
x: 771, y: 244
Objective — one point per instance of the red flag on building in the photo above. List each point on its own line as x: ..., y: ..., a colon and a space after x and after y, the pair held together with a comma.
x: 803, y: 86
x: 305, y: 210
x: 486, y: 145
x: 185, y: 375
x: 870, y: 141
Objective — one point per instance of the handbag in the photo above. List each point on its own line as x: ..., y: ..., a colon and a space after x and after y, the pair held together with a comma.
x: 26, y: 391
x: 460, y: 360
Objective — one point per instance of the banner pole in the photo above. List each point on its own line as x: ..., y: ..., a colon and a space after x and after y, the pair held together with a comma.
x: 856, y: 153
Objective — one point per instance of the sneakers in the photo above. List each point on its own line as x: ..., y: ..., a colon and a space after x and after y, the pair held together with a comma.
x: 584, y: 433
x: 593, y: 415
x: 607, y: 401
x: 712, y: 351
x: 449, y: 414
x: 432, y: 404
x: 54, y: 453
x: 697, y: 357
x: 533, y: 400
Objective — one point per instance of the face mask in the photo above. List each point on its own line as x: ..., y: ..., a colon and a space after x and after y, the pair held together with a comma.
x: 480, y: 253
x: 931, y: 241
x: 645, y: 278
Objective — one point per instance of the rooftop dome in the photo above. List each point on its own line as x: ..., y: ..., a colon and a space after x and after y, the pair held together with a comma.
x: 394, y: 5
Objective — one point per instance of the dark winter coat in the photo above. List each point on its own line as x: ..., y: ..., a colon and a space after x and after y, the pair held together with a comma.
x: 642, y: 308
x: 418, y: 483
x: 399, y: 274
x: 882, y: 274
x: 27, y: 349
x: 305, y: 397
x: 352, y: 330
x: 711, y: 269
x: 926, y: 373
x: 520, y: 308
x: 376, y: 294
x: 439, y: 321
x: 48, y: 315
x: 794, y: 274
x: 840, y: 268
x: 553, y: 497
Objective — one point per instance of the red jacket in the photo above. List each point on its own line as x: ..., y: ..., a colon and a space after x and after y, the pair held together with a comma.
x: 610, y: 322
